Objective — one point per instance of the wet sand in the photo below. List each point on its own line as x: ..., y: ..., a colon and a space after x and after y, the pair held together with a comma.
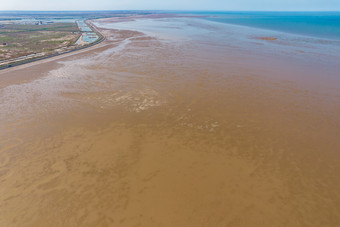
x: 267, y: 38
x: 172, y: 129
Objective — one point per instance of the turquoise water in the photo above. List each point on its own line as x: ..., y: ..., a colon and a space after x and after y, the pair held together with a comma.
x: 83, y: 26
x: 90, y: 38
x: 87, y: 34
x: 316, y: 24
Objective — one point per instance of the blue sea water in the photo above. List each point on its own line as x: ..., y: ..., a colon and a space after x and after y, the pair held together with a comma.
x: 315, y: 24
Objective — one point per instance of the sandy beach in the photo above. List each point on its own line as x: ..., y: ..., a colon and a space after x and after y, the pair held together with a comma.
x: 173, y: 121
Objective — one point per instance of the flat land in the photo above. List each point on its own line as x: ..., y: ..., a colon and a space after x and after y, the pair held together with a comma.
x: 18, y: 40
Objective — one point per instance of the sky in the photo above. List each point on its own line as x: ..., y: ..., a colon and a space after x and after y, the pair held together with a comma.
x: 219, y: 5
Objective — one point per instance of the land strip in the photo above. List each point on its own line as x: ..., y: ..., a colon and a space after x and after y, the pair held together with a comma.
x: 70, y: 47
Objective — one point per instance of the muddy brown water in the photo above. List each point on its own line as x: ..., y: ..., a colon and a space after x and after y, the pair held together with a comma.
x: 150, y: 131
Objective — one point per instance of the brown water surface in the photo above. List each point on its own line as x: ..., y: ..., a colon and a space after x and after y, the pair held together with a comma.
x: 171, y: 131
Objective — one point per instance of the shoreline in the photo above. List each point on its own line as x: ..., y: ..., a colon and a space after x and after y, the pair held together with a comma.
x: 204, y: 126
x: 100, y: 39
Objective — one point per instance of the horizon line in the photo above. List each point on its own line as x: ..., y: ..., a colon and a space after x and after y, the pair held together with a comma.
x: 168, y: 10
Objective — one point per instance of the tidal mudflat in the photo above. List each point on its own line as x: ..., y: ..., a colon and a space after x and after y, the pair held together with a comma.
x: 174, y: 121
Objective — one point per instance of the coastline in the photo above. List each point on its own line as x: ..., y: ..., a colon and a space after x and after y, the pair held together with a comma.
x: 195, y: 129
x: 100, y: 39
